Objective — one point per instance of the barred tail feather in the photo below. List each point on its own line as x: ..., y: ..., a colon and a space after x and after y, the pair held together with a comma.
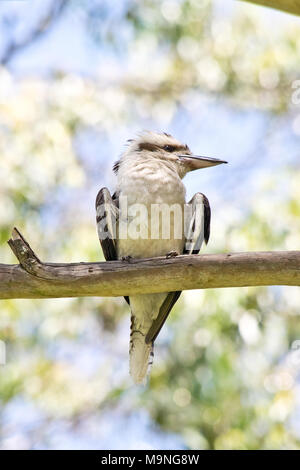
x: 140, y: 357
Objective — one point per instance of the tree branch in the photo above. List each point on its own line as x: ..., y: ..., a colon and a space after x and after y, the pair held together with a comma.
x: 290, y: 6
x: 34, y: 279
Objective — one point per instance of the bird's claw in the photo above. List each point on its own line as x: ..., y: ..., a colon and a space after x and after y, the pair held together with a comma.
x: 172, y: 254
x: 127, y: 258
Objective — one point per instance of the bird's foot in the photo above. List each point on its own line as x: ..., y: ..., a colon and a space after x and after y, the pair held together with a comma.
x: 172, y: 254
x: 127, y: 258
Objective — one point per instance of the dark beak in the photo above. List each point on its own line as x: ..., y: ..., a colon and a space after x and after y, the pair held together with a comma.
x: 195, y: 162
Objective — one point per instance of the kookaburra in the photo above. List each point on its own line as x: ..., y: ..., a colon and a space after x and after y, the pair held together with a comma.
x: 135, y: 223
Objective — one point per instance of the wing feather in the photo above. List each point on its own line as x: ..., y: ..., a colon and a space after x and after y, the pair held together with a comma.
x: 107, y: 213
x: 163, y: 314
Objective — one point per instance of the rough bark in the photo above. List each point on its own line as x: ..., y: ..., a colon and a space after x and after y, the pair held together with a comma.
x: 34, y: 279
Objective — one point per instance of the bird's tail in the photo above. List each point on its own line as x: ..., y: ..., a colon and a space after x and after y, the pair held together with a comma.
x: 140, y: 355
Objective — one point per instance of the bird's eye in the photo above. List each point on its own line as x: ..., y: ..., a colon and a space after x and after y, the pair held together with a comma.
x: 169, y: 148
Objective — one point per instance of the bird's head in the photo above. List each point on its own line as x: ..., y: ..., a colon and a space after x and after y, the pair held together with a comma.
x: 165, y: 149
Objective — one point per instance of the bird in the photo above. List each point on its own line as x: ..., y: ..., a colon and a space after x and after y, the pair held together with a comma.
x: 149, y: 175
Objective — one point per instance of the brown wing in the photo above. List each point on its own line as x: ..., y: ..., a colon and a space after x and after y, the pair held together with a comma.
x: 197, y: 230
x: 107, y: 213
